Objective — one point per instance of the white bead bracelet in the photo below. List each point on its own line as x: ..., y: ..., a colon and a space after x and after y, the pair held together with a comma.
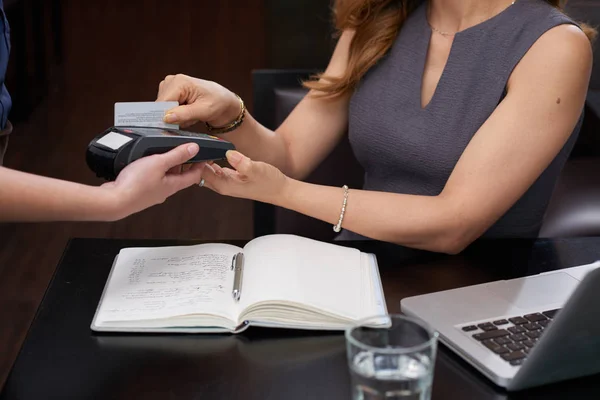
x: 338, y: 227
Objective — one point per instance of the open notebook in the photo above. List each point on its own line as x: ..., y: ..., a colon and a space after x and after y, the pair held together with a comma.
x: 284, y: 281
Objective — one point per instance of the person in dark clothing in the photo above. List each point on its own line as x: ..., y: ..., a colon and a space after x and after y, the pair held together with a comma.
x: 461, y: 112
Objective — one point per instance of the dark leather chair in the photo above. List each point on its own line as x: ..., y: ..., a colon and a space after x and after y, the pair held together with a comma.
x: 574, y: 209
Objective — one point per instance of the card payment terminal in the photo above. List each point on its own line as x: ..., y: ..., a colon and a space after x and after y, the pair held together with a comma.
x: 117, y: 147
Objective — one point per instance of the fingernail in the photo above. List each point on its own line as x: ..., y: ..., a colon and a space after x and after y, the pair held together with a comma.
x: 170, y: 118
x: 210, y: 167
x: 234, y: 156
x: 193, y: 149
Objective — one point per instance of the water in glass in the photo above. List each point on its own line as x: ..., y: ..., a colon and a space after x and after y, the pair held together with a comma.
x: 391, y: 376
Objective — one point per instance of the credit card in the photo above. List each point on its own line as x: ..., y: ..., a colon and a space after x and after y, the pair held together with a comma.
x: 144, y: 113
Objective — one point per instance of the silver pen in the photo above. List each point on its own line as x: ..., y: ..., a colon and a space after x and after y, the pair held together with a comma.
x: 237, y: 265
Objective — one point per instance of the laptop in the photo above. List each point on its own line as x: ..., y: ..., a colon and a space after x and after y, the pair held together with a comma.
x: 524, y: 332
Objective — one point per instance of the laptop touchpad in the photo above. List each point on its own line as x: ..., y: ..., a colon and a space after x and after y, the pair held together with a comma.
x: 537, y: 290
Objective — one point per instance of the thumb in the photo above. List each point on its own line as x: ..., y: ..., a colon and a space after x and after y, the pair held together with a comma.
x: 182, y: 114
x: 179, y: 155
x: 240, y: 162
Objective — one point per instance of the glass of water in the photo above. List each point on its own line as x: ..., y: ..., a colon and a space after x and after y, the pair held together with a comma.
x: 391, y: 357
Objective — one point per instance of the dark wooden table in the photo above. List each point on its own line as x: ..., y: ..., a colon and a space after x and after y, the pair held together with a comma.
x: 62, y: 359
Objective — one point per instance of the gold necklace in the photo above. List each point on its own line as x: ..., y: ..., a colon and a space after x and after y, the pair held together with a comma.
x: 445, y: 34
x: 450, y: 34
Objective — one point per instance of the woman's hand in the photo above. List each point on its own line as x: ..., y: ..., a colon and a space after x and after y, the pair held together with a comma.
x: 199, y: 100
x: 250, y: 180
x: 150, y: 180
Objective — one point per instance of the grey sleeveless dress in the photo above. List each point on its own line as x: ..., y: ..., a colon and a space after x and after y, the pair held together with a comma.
x: 412, y: 150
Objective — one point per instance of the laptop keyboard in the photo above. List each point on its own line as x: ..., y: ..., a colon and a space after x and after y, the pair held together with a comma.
x: 511, y: 338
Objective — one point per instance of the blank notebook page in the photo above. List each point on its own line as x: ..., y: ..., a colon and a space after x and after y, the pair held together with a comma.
x: 291, y: 268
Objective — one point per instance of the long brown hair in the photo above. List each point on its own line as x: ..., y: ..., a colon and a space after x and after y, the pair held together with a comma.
x: 376, y: 24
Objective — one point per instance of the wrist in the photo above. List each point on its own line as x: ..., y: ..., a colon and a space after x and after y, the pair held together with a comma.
x: 229, y: 113
x: 289, y: 190
x: 111, y: 203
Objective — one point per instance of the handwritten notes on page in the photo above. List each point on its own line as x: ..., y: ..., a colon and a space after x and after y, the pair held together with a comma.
x: 153, y: 283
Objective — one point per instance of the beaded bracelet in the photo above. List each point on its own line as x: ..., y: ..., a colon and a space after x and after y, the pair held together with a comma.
x: 233, y: 125
x: 337, y: 228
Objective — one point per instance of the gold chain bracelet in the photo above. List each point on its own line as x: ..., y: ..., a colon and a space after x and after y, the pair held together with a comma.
x: 233, y: 125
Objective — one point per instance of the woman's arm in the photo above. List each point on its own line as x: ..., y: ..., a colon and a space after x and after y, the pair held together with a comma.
x: 545, y: 98
x: 144, y: 183
x: 304, y: 139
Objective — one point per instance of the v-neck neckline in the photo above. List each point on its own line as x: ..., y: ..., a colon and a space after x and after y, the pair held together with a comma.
x: 426, y: 43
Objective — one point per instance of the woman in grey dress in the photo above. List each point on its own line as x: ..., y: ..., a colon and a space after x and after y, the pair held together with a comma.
x: 462, y: 113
